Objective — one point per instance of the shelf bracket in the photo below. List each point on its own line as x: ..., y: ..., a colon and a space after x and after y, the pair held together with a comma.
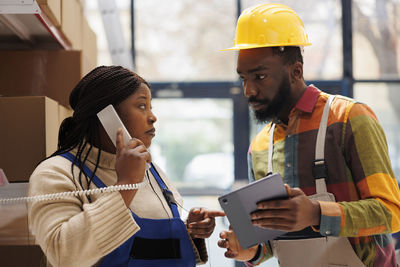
x: 15, y: 25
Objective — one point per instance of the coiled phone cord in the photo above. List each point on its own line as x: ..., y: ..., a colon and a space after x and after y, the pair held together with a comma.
x: 49, y: 197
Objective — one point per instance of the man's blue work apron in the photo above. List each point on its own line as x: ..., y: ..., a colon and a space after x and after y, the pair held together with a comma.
x: 158, y: 243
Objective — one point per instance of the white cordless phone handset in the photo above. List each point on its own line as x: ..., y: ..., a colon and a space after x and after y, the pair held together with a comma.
x: 111, y: 122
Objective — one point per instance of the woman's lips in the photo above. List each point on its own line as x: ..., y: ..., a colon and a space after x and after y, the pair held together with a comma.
x: 151, y: 132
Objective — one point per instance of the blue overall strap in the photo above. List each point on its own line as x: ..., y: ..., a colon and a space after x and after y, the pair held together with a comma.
x: 96, y: 180
x: 169, y: 197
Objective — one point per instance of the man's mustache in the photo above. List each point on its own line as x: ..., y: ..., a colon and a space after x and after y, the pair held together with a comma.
x: 252, y: 99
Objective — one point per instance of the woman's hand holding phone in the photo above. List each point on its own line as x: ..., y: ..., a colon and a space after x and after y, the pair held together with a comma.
x: 130, y: 164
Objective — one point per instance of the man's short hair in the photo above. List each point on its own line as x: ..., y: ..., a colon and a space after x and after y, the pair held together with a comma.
x: 289, y: 54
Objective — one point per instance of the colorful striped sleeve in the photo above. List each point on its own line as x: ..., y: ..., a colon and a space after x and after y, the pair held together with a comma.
x: 367, y: 158
x: 265, y: 254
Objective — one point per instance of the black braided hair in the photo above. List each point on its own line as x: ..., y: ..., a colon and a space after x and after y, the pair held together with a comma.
x: 102, y: 86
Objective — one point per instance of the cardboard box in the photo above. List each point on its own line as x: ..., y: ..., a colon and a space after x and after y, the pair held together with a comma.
x: 89, y: 48
x: 51, y: 73
x: 18, y: 256
x: 71, y: 22
x: 29, y: 133
x: 52, y: 8
x: 14, y: 228
x: 63, y: 113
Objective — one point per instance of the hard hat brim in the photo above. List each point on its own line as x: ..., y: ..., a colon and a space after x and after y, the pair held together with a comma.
x: 252, y: 46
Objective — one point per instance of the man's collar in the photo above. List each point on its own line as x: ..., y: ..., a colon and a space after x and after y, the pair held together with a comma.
x: 307, y: 101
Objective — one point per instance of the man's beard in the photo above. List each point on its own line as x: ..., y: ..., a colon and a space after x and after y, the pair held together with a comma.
x: 275, y: 106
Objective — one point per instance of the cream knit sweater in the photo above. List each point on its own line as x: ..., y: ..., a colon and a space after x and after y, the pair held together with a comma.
x: 74, y: 231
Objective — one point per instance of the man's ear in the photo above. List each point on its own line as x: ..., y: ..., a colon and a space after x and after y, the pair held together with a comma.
x: 296, y: 72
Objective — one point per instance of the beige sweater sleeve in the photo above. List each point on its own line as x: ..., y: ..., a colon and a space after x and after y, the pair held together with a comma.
x: 71, y: 231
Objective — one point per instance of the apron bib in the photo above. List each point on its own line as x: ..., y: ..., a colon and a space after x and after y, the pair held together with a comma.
x: 158, y: 243
x: 320, y: 251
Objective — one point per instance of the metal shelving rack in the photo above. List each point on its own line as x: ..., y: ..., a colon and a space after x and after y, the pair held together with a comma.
x: 23, y: 25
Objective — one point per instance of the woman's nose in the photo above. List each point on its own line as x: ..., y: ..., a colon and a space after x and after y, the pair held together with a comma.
x: 152, y: 117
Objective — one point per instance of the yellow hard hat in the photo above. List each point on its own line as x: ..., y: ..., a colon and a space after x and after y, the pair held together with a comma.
x: 269, y: 25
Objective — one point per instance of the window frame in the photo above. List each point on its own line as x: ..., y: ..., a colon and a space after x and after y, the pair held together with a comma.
x: 229, y: 89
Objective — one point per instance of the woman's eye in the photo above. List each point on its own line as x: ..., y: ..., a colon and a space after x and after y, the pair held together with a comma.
x: 142, y: 106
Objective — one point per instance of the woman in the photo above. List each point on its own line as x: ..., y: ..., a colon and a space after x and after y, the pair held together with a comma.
x: 122, y: 228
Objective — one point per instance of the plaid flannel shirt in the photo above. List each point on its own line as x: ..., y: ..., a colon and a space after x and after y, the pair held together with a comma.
x: 367, y: 207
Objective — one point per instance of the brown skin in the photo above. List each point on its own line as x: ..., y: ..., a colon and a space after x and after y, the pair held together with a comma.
x: 201, y: 222
x: 293, y: 214
x: 262, y: 73
x: 138, y: 118
x: 233, y: 249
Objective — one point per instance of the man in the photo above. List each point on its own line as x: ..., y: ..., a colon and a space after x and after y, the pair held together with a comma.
x: 343, y: 198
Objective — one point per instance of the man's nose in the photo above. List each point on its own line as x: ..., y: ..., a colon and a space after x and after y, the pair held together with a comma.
x: 249, y: 89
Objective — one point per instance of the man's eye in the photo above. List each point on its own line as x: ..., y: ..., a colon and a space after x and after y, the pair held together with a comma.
x: 260, y: 76
x: 142, y: 106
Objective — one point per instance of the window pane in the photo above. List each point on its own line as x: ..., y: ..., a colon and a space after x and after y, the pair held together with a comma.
x: 181, y: 39
x: 376, y: 36
x: 323, y: 59
x: 193, y: 144
x: 384, y: 99
x: 92, y: 12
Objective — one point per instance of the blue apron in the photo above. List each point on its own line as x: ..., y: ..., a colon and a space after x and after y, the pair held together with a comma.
x: 158, y: 243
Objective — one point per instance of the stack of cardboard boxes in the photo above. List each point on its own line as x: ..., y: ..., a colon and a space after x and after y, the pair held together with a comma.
x: 34, y: 100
